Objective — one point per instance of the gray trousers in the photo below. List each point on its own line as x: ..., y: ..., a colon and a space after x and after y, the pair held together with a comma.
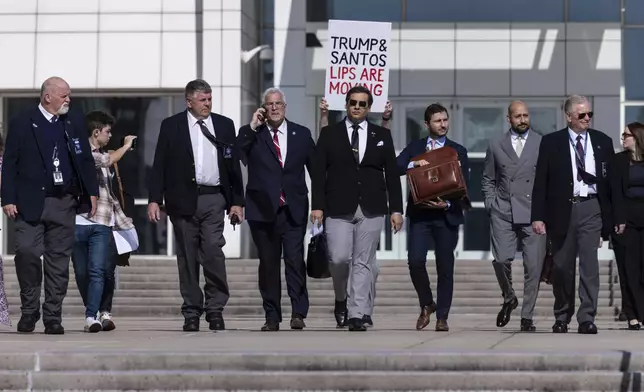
x: 200, y: 239
x: 352, y: 244
x: 582, y: 238
x: 505, y: 238
x: 52, y: 237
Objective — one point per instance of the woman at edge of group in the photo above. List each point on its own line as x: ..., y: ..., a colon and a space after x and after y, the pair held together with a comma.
x: 627, y: 189
x: 4, y: 306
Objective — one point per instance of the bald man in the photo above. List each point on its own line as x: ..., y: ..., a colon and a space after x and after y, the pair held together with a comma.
x: 507, y: 183
x: 48, y: 176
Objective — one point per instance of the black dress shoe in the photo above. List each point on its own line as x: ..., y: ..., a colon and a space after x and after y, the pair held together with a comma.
x: 587, y: 328
x: 217, y: 323
x: 297, y: 322
x: 634, y: 327
x: 191, y: 324
x: 527, y: 325
x: 367, y: 321
x: 560, y: 327
x: 54, y: 329
x: 356, y: 325
x: 506, y: 311
x: 341, y: 314
x: 271, y: 325
x: 27, y: 323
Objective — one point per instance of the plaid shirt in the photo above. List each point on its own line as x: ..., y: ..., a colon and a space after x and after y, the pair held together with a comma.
x: 108, y: 208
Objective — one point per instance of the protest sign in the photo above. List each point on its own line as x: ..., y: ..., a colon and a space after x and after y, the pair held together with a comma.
x: 358, y: 55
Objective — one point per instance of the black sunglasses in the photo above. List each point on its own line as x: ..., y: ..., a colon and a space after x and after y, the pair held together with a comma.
x: 362, y: 104
x: 581, y: 116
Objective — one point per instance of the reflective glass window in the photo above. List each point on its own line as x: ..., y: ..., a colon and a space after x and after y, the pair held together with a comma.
x: 633, y: 63
x: 594, y: 11
x: 364, y: 10
x: 484, y: 11
x: 634, y: 12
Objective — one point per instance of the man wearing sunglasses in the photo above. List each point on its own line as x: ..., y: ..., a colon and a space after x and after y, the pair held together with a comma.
x: 571, y: 204
x: 277, y: 204
x: 351, y: 192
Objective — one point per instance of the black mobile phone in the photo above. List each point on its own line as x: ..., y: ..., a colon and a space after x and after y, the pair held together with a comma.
x: 133, y: 143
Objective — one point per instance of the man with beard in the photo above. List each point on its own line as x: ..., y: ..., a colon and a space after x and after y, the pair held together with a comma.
x: 439, y: 219
x: 48, y: 169
x: 507, y: 187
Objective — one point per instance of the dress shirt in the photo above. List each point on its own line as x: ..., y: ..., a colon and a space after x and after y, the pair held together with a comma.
x: 581, y: 188
x: 514, y: 138
x: 45, y: 113
x: 282, y: 138
x: 362, y: 136
x: 206, y: 164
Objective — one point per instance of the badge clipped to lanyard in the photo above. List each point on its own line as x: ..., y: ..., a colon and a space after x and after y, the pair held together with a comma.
x: 58, y: 175
x: 228, y: 153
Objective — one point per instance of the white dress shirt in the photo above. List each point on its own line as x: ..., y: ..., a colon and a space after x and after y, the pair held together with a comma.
x: 362, y: 136
x: 206, y: 164
x: 580, y: 188
x: 48, y: 116
x: 282, y: 138
x: 514, y: 138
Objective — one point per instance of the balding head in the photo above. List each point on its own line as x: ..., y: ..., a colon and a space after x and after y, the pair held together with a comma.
x: 55, y: 95
x: 519, y: 117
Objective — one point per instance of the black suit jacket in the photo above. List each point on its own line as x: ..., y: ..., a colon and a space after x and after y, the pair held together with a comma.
x: 554, y: 186
x: 24, y: 174
x: 619, y: 172
x: 454, y: 214
x: 172, y: 178
x: 339, y: 184
x: 266, y: 177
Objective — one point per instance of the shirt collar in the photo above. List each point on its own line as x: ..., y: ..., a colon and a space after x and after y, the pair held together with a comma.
x: 48, y: 116
x: 192, y: 120
x: 362, y: 125
x: 440, y: 141
x: 281, y: 129
x: 573, y: 135
x: 515, y: 135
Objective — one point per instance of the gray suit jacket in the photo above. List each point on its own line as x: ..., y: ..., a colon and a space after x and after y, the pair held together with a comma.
x: 508, y: 180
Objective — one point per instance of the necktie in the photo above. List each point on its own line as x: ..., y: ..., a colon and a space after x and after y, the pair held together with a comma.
x: 278, y: 151
x: 54, y: 119
x: 581, y: 165
x: 355, y: 145
x: 206, y: 133
x: 519, y: 148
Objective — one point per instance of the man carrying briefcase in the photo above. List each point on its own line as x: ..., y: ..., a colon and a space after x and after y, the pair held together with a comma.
x: 439, y: 219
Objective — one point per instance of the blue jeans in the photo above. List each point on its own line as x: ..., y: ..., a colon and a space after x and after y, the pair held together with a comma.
x: 90, y: 257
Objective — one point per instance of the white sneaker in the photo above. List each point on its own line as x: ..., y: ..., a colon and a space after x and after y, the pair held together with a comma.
x: 92, y: 325
x: 106, y: 321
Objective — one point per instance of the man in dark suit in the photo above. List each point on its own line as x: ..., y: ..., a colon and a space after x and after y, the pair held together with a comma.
x: 439, y: 219
x: 48, y: 173
x: 351, y: 192
x: 571, y: 203
x: 277, y: 204
x: 196, y: 172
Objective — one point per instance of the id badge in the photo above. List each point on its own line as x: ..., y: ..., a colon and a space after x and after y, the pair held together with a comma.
x: 228, y: 153
x: 583, y: 192
x: 58, y: 178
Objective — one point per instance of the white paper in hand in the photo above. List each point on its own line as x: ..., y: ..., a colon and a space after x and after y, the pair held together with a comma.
x: 126, y: 240
x: 316, y: 229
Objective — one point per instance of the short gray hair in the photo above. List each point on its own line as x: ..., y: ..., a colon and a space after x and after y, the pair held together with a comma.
x: 197, y: 86
x: 273, y: 90
x: 574, y: 100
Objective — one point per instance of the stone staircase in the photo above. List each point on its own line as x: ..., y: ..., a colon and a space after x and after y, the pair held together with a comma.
x: 150, y: 287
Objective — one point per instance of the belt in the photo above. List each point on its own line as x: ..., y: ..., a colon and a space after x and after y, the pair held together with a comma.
x: 580, y: 199
x: 208, y: 190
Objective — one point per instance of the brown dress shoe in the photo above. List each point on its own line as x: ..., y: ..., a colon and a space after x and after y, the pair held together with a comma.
x: 425, y: 312
x: 441, y: 326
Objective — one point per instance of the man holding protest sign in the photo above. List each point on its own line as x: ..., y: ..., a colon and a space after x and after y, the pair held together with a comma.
x: 355, y: 202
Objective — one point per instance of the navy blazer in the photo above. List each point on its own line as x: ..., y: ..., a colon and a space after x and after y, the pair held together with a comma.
x: 172, y: 179
x: 453, y: 214
x: 24, y: 174
x: 266, y: 177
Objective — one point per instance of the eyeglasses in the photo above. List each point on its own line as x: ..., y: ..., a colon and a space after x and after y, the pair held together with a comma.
x: 626, y: 135
x: 581, y: 116
x: 362, y: 104
x: 278, y: 105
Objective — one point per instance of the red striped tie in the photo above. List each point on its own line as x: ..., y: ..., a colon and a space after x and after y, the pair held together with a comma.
x: 276, y: 142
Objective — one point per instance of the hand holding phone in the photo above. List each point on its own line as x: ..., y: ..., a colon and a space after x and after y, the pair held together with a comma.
x: 259, y: 118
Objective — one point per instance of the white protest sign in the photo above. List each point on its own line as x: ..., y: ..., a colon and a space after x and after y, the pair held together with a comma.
x: 358, y: 55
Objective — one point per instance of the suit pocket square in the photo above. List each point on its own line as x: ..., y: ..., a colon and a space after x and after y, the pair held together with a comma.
x: 380, y: 144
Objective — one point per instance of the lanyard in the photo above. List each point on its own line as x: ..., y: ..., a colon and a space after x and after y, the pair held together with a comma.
x: 582, y: 158
x: 54, y: 157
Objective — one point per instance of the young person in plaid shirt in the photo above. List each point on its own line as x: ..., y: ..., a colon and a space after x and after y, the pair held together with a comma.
x: 90, y: 255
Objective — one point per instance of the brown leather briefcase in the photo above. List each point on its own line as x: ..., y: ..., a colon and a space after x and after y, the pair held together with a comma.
x: 442, y: 178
